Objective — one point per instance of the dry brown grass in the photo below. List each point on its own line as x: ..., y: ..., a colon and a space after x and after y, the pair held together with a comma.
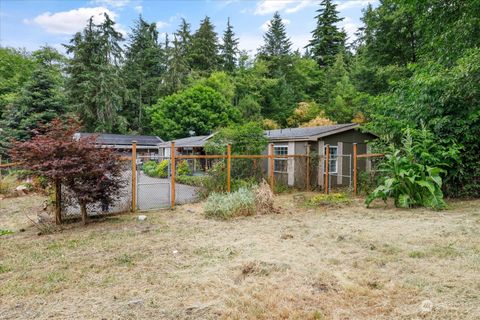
x: 340, y: 263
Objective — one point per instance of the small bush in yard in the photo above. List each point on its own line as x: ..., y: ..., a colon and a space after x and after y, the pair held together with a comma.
x: 183, y: 169
x: 329, y: 199
x: 243, y: 202
x: 161, y: 169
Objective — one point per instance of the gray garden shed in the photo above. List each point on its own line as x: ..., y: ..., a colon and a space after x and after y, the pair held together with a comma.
x: 340, y: 138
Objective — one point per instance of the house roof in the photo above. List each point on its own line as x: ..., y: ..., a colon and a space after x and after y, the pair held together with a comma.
x: 109, y: 139
x: 196, y: 141
x: 309, y: 133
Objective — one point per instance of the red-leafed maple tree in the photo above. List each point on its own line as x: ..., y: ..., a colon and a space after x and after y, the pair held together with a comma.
x: 89, y: 173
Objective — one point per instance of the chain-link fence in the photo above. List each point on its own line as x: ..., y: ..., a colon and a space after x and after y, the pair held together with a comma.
x: 122, y: 202
x: 370, y: 177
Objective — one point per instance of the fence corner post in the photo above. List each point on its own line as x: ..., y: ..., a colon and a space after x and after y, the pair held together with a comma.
x: 271, y: 167
x: 308, y: 167
x: 134, y: 176
x: 229, y: 165
x: 172, y: 175
x: 354, y: 169
x: 327, y: 165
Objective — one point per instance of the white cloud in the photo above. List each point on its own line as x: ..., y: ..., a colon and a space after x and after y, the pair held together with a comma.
x: 299, y: 41
x: 301, y: 5
x: 250, y: 42
x: 266, y: 24
x: 350, y: 28
x: 162, y: 24
x: 270, y: 6
x: 111, y: 3
x: 69, y: 22
x: 344, y: 5
x: 291, y: 6
x: 138, y: 9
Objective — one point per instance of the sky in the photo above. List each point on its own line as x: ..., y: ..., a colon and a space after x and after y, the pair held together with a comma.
x: 31, y: 24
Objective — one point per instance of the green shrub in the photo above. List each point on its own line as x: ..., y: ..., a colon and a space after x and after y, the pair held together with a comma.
x: 329, y: 199
x: 149, y: 168
x: 196, y: 181
x: 158, y: 170
x: 183, y: 169
x: 226, y: 206
x: 161, y: 169
x: 410, y: 176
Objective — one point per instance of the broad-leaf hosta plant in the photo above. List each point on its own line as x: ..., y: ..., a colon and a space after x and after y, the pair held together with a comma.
x: 410, y: 176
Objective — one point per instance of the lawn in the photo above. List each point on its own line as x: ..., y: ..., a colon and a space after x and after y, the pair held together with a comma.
x: 304, y: 263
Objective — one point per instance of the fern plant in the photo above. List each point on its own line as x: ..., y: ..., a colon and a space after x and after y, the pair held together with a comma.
x: 412, y: 174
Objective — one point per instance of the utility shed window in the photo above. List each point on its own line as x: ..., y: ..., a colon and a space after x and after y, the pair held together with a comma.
x: 332, y: 163
x: 280, y: 164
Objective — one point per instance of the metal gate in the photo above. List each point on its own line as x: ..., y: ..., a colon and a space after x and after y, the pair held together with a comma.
x: 153, y: 183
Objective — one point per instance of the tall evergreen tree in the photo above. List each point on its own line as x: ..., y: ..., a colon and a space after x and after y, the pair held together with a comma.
x: 229, y: 49
x: 276, y: 42
x: 204, y: 51
x: 177, y: 68
x: 184, y: 39
x: 143, y: 68
x: 40, y: 100
x: 95, y: 86
x: 327, y: 39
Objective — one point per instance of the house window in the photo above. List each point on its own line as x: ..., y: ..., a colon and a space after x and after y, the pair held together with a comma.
x: 280, y: 164
x: 332, y: 163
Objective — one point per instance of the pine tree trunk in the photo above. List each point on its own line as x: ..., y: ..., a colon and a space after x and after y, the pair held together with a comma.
x: 83, y: 209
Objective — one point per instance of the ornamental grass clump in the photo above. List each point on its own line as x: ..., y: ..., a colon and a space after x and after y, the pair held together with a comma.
x: 243, y: 202
x: 229, y: 205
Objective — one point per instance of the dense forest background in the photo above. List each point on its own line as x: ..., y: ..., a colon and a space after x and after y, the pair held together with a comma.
x: 414, y: 64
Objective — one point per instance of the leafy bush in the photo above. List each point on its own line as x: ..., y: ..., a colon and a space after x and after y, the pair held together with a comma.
x: 149, y: 168
x: 183, y: 168
x: 161, y: 170
x: 196, y: 181
x: 329, y: 199
x: 154, y: 169
x: 411, y: 175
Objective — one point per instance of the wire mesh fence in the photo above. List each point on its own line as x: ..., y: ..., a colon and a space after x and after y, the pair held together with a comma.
x: 370, y: 177
x: 162, y: 180
x: 122, y: 202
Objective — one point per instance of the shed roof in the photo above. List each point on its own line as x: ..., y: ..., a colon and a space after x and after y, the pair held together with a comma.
x: 309, y: 133
x: 189, y: 142
x: 122, y: 139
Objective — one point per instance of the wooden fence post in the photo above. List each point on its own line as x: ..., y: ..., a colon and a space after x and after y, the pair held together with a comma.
x: 58, y: 201
x: 354, y: 169
x: 308, y: 168
x: 229, y: 165
x: 172, y: 175
x: 134, y: 176
x: 272, y: 164
x: 327, y: 166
